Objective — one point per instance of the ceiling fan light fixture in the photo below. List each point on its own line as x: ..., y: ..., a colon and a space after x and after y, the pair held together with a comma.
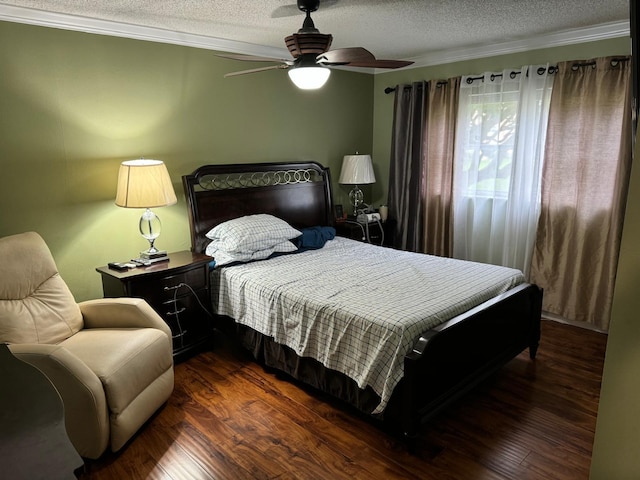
x: 306, y: 74
x: 309, y: 78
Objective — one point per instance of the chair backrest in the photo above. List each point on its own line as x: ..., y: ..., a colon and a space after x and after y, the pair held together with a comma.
x: 36, y: 306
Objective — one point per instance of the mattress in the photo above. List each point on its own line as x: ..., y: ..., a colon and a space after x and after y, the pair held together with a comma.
x: 354, y: 307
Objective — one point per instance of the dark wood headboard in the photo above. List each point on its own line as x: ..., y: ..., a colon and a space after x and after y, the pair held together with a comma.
x: 299, y: 193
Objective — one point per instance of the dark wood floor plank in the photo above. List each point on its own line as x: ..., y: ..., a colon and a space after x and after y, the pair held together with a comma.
x: 289, y: 425
x: 229, y: 418
x: 336, y: 428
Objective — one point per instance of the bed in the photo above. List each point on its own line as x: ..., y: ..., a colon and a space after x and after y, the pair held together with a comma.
x: 483, y: 327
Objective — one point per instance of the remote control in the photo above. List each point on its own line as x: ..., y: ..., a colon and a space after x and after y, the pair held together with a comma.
x: 121, y: 267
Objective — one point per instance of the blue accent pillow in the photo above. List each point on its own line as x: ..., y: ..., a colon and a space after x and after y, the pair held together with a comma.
x: 313, y: 238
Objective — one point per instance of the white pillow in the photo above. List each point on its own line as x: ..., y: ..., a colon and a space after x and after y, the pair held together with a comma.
x: 223, y: 257
x: 251, y: 233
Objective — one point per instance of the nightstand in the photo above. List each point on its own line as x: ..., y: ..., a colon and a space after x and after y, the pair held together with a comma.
x: 177, y: 289
x: 371, y: 233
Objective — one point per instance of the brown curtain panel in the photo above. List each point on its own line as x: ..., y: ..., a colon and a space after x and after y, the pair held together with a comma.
x: 421, y: 167
x: 584, y: 188
x: 405, y: 169
x: 438, y: 167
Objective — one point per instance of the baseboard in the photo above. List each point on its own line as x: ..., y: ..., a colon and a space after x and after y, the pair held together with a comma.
x: 574, y: 323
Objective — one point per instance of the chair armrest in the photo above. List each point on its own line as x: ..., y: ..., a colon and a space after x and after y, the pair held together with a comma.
x: 85, y: 404
x: 122, y: 313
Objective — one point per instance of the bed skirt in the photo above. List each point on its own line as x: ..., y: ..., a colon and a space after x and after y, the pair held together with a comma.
x: 305, y: 369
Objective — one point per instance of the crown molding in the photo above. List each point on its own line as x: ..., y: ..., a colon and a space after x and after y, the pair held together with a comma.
x: 44, y: 18
x: 63, y: 21
x: 568, y: 37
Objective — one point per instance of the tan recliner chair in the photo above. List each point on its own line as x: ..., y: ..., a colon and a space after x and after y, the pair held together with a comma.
x: 110, y: 359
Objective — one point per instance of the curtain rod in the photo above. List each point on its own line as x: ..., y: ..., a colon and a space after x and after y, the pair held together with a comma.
x: 552, y: 69
x: 389, y: 90
x: 513, y: 74
x: 614, y: 63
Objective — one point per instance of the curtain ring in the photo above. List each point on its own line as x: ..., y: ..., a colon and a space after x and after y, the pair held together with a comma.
x: 576, y: 66
x: 470, y: 80
x: 618, y: 61
x: 551, y: 69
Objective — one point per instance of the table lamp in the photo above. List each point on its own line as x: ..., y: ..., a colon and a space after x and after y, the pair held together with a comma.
x: 356, y: 170
x: 146, y: 184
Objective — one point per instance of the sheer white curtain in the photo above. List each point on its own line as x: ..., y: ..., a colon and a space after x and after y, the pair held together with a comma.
x: 502, y: 122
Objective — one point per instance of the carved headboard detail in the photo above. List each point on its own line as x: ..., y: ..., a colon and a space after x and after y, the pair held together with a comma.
x: 299, y: 193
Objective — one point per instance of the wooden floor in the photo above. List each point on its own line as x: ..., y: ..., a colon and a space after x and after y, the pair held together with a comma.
x: 230, y: 419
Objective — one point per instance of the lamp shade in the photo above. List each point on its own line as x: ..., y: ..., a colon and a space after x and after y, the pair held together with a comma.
x: 144, y: 184
x: 357, y: 170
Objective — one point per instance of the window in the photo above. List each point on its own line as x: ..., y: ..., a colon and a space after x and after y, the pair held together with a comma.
x: 498, y: 164
x: 488, y: 155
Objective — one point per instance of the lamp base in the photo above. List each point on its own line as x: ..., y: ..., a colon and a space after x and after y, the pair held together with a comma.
x: 145, y: 262
x: 357, y: 197
x: 150, y: 227
x: 153, y: 254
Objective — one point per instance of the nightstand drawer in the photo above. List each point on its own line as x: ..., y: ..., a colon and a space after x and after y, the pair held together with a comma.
x: 186, y: 318
x: 164, y: 288
x: 186, y: 301
x: 178, y: 290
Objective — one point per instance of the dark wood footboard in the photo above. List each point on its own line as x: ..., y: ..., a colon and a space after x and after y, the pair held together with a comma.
x: 449, y: 360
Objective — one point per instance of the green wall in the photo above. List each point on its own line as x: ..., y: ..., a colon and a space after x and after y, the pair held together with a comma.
x: 74, y: 106
x: 617, y: 441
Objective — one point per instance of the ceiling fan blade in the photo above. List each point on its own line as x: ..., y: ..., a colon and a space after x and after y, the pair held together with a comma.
x: 253, y: 58
x: 381, y: 64
x: 357, y: 57
x: 254, y: 70
x: 285, y: 11
x: 344, y: 56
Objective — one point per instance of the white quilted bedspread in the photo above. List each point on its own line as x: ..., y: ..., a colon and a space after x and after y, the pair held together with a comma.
x: 355, y: 307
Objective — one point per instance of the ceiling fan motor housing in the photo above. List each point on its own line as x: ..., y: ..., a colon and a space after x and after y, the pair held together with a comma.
x: 303, y: 43
x: 308, y: 5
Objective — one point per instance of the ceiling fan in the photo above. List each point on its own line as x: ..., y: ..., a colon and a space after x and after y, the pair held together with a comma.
x: 311, y: 55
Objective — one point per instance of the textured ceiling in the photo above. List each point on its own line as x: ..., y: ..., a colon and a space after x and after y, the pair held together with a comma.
x: 393, y: 29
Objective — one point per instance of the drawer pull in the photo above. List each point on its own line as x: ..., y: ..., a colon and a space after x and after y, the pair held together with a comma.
x: 177, y: 311
x: 174, y: 287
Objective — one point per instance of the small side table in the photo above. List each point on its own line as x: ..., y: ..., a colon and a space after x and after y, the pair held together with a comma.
x: 177, y: 289
x: 372, y: 232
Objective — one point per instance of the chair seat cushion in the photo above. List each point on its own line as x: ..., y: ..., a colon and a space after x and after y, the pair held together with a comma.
x: 126, y: 360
